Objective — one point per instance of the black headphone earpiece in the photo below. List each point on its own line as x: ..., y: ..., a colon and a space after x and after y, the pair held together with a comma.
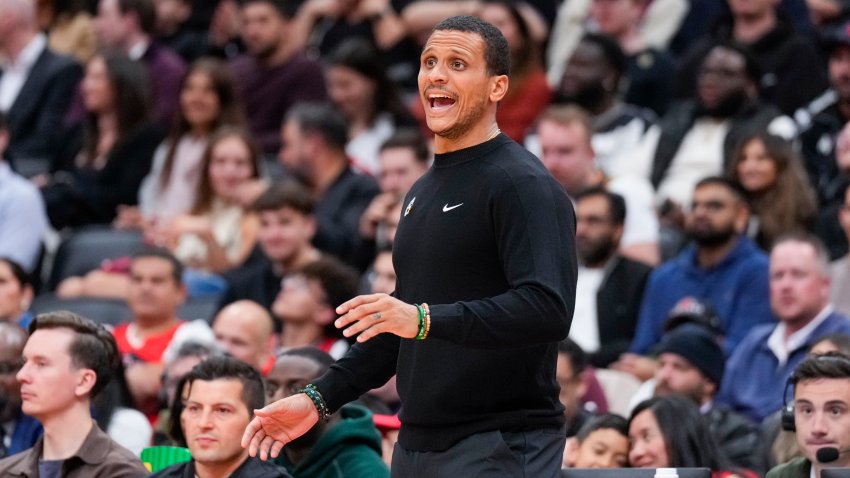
x: 787, y: 413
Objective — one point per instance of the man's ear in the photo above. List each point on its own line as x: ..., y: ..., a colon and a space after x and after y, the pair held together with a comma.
x: 498, y: 87
x: 570, y: 453
x: 85, y: 383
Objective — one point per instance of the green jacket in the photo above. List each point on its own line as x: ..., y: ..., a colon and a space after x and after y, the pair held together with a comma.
x: 349, y: 449
x: 797, y: 468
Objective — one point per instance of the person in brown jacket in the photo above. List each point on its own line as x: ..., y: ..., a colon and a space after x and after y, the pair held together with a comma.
x: 67, y: 361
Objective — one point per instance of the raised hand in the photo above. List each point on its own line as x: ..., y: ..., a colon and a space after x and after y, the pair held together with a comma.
x: 373, y: 314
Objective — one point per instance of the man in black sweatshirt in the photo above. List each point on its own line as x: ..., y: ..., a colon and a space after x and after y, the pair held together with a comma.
x: 487, y: 237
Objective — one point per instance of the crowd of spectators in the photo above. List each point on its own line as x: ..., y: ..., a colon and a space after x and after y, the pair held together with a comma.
x: 260, y: 152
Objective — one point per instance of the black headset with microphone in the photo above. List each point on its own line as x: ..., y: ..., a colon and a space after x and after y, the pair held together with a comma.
x: 787, y: 414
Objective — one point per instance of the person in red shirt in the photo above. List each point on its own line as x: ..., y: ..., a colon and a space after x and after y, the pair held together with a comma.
x: 156, y: 291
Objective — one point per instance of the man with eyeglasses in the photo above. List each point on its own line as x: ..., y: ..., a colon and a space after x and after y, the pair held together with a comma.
x: 348, y: 441
x: 567, y: 150
x: 610, y: 286
x: 722, y: 267
x: 18, y: 432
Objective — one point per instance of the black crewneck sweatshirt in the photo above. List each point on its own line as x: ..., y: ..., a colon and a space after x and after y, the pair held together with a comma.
x: 487, y: 239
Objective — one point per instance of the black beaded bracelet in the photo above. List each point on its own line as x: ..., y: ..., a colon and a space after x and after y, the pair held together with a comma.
x: 316, y: 397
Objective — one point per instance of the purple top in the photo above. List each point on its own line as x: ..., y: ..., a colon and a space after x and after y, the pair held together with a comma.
x: 269, y: 92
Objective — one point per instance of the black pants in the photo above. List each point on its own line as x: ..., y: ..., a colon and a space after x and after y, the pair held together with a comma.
x: 494, y: 454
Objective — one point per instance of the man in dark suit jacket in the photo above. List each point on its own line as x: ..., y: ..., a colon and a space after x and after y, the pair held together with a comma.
x: 36, y: 87
x: 610, y: 286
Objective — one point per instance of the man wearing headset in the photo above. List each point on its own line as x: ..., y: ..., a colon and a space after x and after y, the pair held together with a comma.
x: 820, y: 414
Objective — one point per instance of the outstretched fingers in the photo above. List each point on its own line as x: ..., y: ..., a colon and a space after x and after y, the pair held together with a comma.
x: 255, y: 441
x: 276, y: 448
x: 265, y: 447
x: 357, y: 301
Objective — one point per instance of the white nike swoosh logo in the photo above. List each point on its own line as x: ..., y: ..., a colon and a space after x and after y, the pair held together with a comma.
x: 447, y: 208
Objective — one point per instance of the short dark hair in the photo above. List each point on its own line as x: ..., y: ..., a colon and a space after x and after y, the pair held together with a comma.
x: 322, y: 358
x: 497, y: 53
x: 828, y: 365
x: 608, y: 421
x: 616, y: 203
x: 733, y: 186
x: 751, y: 66
x: 162, y: 253
x: 4, y: 123
x: 219, y: 367
x: 409, y: 138
x: 338, y: 281
x: 285, y: 194
x: 144, y: 10
x: 193, y: 348
x: 574, y: 353
x: 286, y: 8
x: 18, y: 272
x: 322, y: 119
x: 611, y: 51
x: 93, y: 347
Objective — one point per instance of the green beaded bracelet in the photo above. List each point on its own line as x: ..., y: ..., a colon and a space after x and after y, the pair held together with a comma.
x: 421, y: 333
x: 318, y: 401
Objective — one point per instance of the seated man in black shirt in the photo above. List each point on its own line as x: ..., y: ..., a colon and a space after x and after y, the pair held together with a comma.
x: 287, y: 226
x: 217, y: 401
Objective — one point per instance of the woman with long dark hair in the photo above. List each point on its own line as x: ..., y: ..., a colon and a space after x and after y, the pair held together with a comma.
x: 781, y: 197
x: 360, y: 89
x: 218, y: 233
x: 208, y: 101
x: 102, y: 166
x: 670, y: 432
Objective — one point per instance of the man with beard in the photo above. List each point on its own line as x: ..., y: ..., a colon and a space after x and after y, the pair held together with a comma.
x: 799, y: 297
x: 592, y: 82
x: 18, y: 432
x: 791, y: 67
x: 273, y: 75
x: 347, y: 441
x: 486, y: 237
x: 567, y: 152
x: 722, y: 267
x: 697, y: 137
x: 691, y: 363
x: 314, y: 137
x: 610, y: 286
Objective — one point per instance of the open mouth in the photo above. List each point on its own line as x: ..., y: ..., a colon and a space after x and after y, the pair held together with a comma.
x: 440, y: 102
